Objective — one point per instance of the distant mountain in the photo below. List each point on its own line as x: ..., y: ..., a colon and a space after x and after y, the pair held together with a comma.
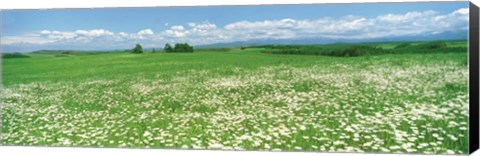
x: 457, y: 35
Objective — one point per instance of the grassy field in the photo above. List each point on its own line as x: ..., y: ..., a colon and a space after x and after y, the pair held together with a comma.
x: 239, y: 99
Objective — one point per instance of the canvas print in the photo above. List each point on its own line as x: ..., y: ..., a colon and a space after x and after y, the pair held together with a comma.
x: 366, y: 77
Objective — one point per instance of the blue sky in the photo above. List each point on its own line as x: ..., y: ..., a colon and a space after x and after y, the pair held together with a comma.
x: 118, y: 28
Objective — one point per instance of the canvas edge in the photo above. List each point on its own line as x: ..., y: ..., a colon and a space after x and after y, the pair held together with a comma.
x: 1, y: 77
x: 473, y: 48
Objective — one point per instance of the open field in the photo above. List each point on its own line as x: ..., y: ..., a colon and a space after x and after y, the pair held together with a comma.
x: 239, y: 99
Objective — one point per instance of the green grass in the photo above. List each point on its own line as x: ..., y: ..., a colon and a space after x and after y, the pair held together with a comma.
x: 239, y: 99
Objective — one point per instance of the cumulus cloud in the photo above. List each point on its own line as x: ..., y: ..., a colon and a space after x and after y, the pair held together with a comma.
x: 347, y: 27
x: 93, y: 33
x: 175, y: 31
x: 354, y: 27
x: 57, y: 34
x: 145, y: 32
x: 463, y: 11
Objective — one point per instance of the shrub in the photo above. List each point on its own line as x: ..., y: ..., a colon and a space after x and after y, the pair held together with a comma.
x: 138, y: 49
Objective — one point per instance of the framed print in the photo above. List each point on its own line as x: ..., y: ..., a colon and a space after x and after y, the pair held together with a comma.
x: 358, y: 77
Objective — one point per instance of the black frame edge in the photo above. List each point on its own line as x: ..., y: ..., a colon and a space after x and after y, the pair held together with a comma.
x: 473, y: 47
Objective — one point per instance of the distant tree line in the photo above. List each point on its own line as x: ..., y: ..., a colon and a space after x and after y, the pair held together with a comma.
x: 14, y: 55
x: 178, y: 48
x: 352, y: 50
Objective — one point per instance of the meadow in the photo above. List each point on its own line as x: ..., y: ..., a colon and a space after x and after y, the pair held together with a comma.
x: 253, y: 98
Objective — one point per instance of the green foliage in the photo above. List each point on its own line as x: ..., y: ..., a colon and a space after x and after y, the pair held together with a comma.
x: 402, y: 45
x: 138, y: 49
x: 153, y: 50
x: 65, y: 54
x: 168, y: 48
x: 178, y: 48
x: 183, y: 47
x: 214, y: 50
x: 339, y: 51
x: 433, y: 45
x: 14, y: 55
x: 62, y: 55
x: 359, y: 49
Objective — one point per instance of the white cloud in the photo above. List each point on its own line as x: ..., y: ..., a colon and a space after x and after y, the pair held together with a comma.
x: 463, y: 11
x: 347, y: 27
x: 353, y: 27
x: 175, y: 31
x: 123, y: 34
x: 403, y: 18
x: 56, y: 34
x: 93, y: 33
x: 45, y: 32
x: 177, y: 28
x: 145, y: 32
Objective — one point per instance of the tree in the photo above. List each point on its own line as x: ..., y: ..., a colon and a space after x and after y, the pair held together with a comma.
x: 168, y: 48
x: 153, y: 50
x: 183, y: 47
x: 178, y: 47
x: 138, y: 49
x: 188, y: 48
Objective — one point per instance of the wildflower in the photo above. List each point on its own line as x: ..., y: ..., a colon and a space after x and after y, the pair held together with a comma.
x: 266, y: 146
x: 147, y: 134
